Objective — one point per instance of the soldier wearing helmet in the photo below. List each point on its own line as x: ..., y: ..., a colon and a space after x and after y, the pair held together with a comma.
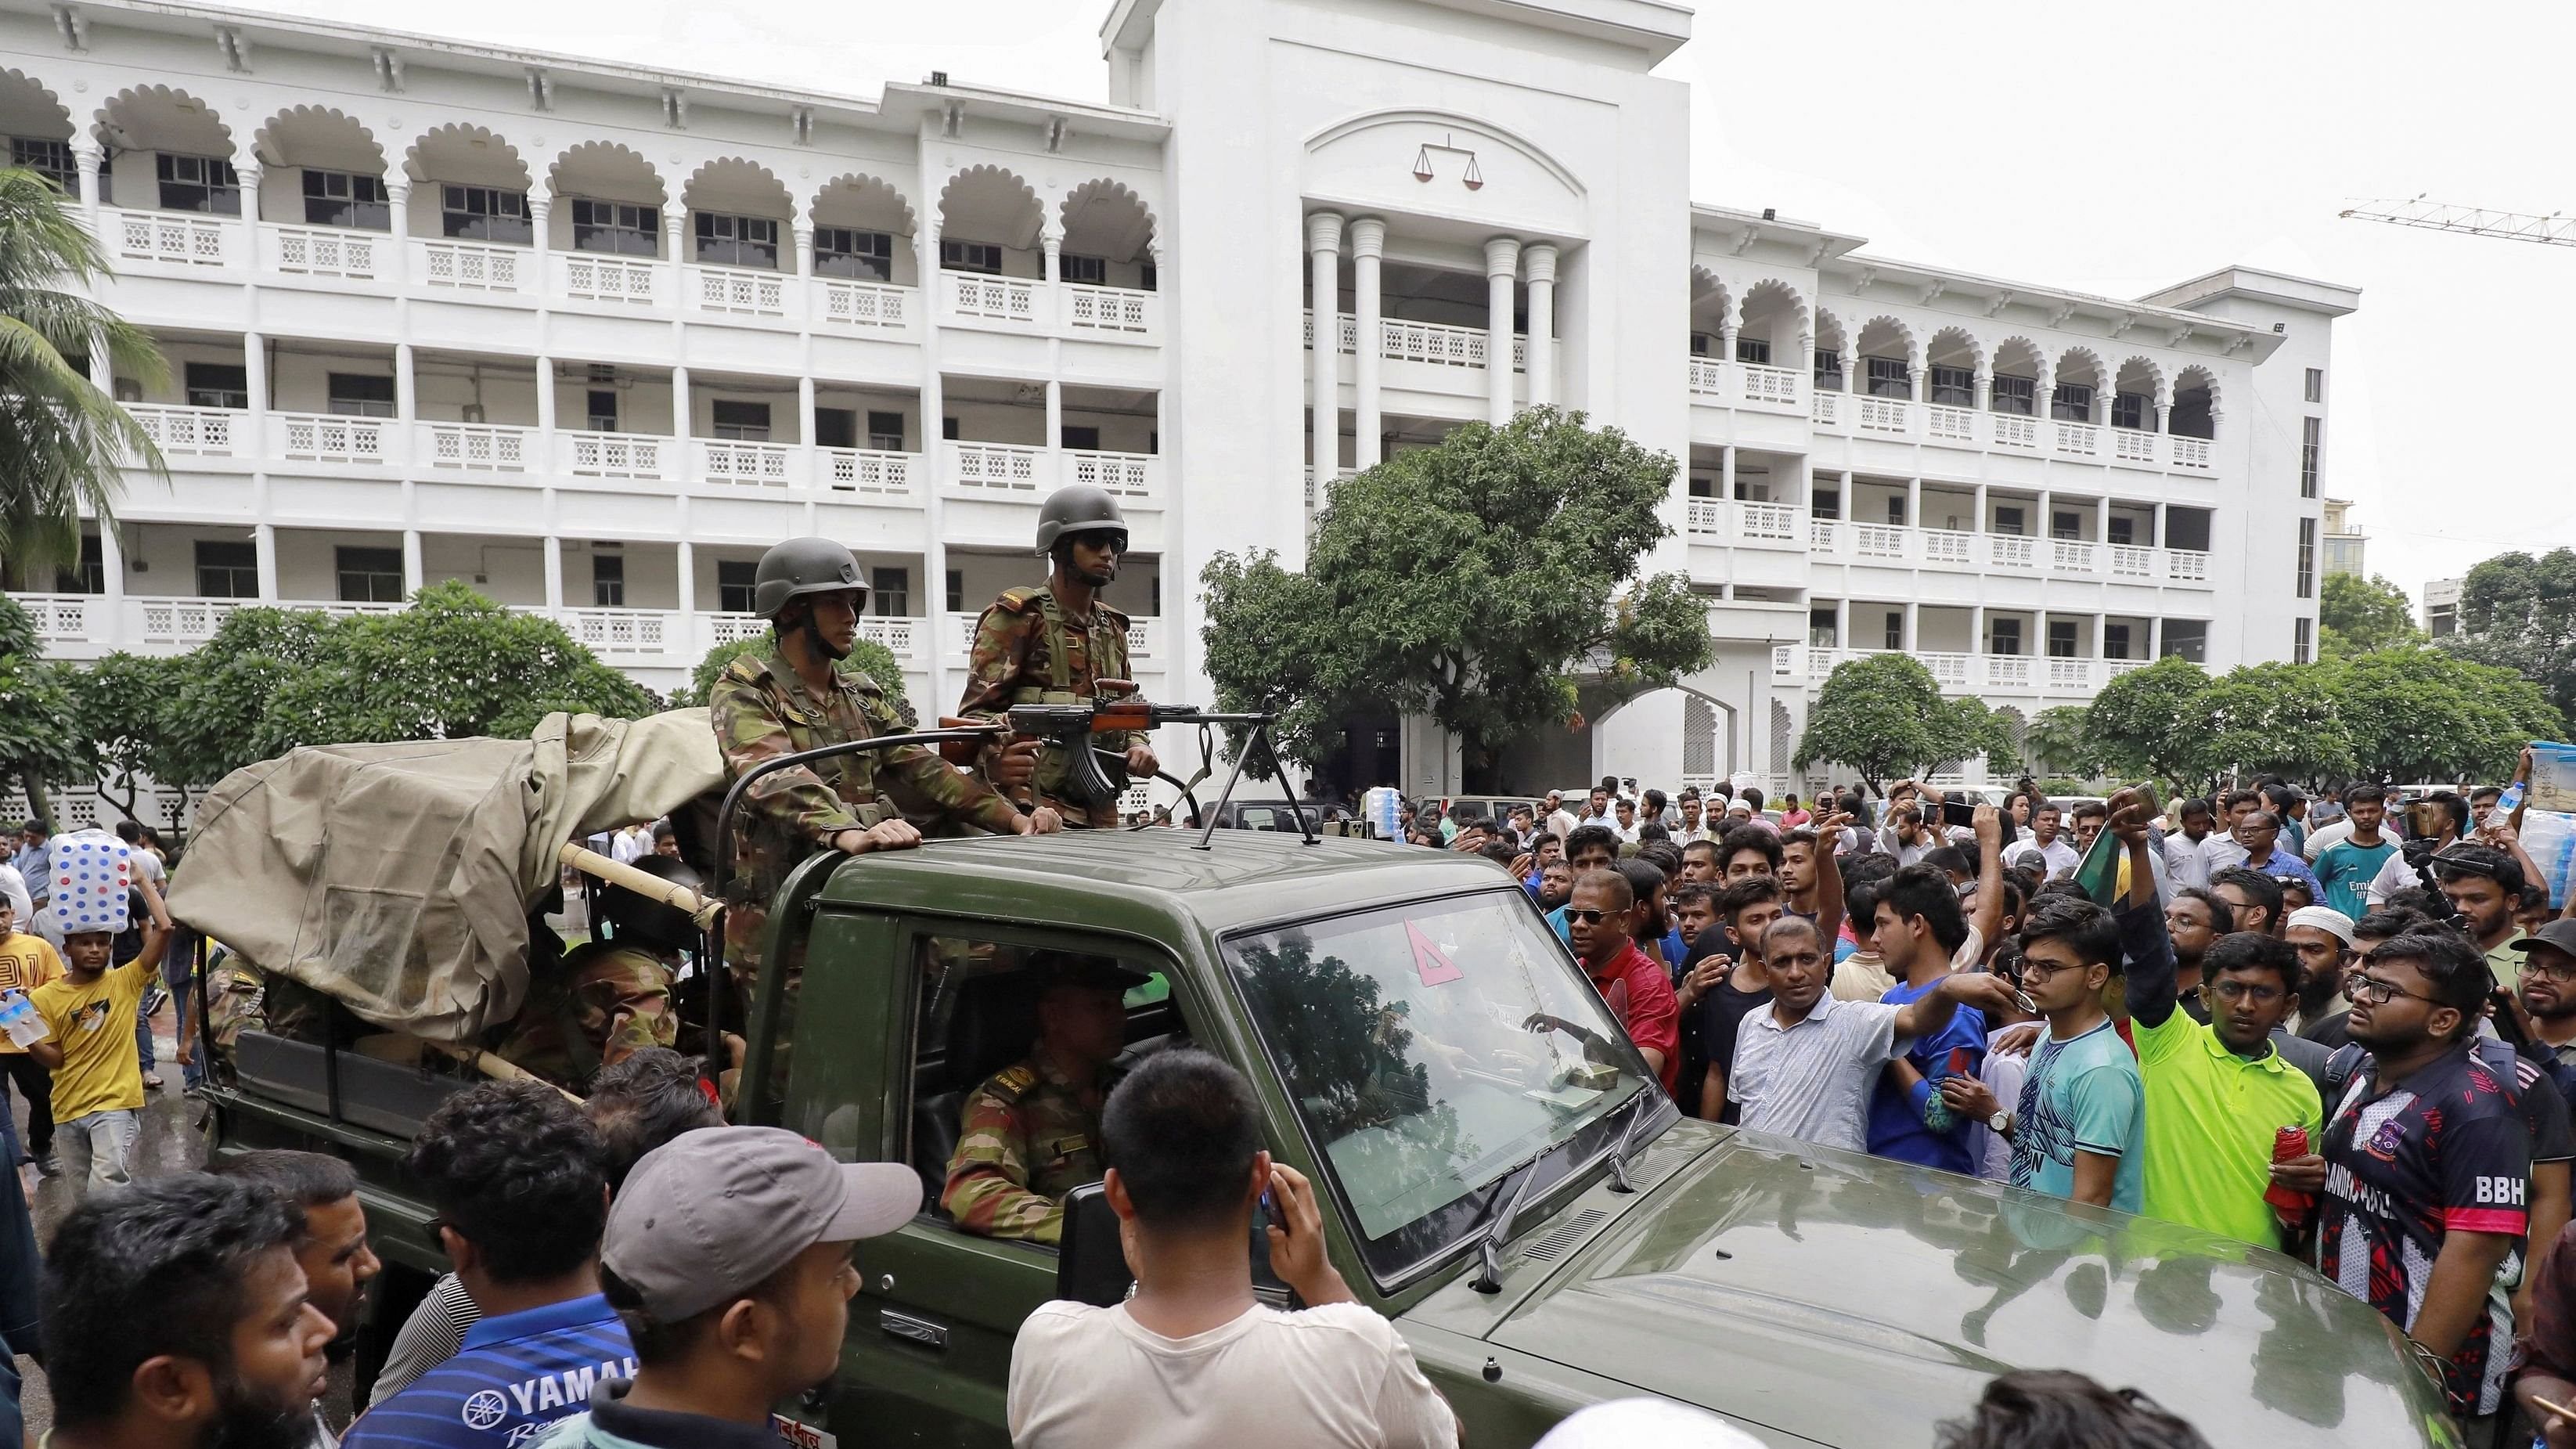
x: 611, y: 997
x: 795, y: 693
x: 1052, y: 644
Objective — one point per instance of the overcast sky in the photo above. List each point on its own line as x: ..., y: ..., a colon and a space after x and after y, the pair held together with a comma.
x: 2111, y: 148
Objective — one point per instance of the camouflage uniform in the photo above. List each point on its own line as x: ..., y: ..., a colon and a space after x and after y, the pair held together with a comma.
x: 761, y: 710
x: 595, y: 1008
x: 236, y: 1002
x: 1029, y: 651
x: 1027, y: 1139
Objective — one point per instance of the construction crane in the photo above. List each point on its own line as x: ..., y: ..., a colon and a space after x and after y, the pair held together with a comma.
x: 2551, y: 230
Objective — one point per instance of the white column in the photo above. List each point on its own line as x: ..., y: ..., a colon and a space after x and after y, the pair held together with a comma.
x: 675, y: 225
x: 1918, y: 377
x: 1979, y: 525
x: 413, y: 572
x: 1853, y: 368
x: 2155, y: 638
x: 934, y: 460
x: 2038, y: 645
x: 1055, y: 421
x: 1051, y: 242
x: 2047, y: 526
x: 111, y: 569
x: 2101, y: 624
x: 2044, y: 397
x: 406, y: 403
x: 687, y: 568
x: 1324, y: 248
x: 263, y: 542
x: 811, y: 465
x: 804, y: 235
x: 1985, y: 386
x: 1368, y: 244
x: 88, y: 157
x: 554, y: 575
x: 398, y: 228
x: 541, y: 205
x: 684, y: 453
x: 1726, y: 473
x: 1502, y: 263
x: 2102, y: 523
x: 1976, y: 639
x: 1913, y: 627
x: 547, y: 448
x: 1914, y: 503
x: 255, y: 368
x: 246, y: 170
x: 1842, y: 624
x: 1541, y: 258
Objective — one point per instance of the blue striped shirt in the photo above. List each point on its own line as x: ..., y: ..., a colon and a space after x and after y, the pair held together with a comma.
x: 515, y: 1375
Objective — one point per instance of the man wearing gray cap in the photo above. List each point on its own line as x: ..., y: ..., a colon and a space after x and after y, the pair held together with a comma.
x: 2547, y: 988
x: 728, y: 1258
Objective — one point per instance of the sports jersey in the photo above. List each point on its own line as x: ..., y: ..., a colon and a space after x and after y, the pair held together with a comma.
x: 1896, y: 1126
x: 516, y: 1374
x: 2406, y: 1165
x: 2082, y: 1093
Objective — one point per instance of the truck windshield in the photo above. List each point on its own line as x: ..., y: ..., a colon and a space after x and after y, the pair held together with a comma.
x: 1431, y: 1049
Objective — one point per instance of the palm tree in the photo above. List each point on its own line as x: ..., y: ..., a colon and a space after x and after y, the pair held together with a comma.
x: 63, y: 443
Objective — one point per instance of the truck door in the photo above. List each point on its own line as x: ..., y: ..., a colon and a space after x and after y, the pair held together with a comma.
x: 901, y: 1020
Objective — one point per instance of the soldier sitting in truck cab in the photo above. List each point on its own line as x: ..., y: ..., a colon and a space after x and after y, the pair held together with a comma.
x: 1031, y: 1132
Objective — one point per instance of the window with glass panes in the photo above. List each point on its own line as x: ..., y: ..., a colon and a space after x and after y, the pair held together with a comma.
x: 1954, y: 387
x: 2307, y: 558
x: 2003, y: 636
x: 2187, y: 639
x: 369, y: 575
x: 1079, y: 437
x: 736, y: 579
x: 1829, y: 369
x: 966, y: 256
x: 955, y: 591
x: 1893, y: 636
x: 1091, y: 271
x: 740, y: 422
x: 836, y: 428
x: 736, y: 241
x: 2124, y: 530
x: 50, y: 159
x: 2129, y: 410
x: 1703, y: 344
x: 866, y: 256
x: 885, y: 431
x: 356, y: 395
x: 346, y: 198
x: 608, y: 580
x: 2316, y: 384
x: 1824, y: 502
x: 890, y: 592
x: 1821, y: 629
x: 2061, y: 638
x: 227, y: 569
x: 206, y: 184
x: 218, y: 385
x: 2072, y: 402
x: 2009, y: 394
x: 2115, y: 641
x: 616, y: 227
x: 2008, y: 520
x: 2312, y: 446
x: 484, y: 213
x: 89, y: 576
x: 1145, y: 278
x: 2063, y: 524
x: 602, y: 409
x: 1756, y: 350
x: 2302, y: 640
x: 1889, y: 377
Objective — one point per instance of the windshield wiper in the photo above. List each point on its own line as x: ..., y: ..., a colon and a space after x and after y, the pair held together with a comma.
x: 1638, y: 1112
x: 1489, y: 1250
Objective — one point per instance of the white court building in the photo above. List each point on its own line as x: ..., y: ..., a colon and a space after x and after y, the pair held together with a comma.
x: 592, y: 336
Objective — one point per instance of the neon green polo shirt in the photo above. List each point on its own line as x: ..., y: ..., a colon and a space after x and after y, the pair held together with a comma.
x: 2210, y: 1119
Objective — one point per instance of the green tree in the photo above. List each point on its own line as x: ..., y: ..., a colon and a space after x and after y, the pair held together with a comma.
x: 221, y: 689
x: 2360, y: 614
x: 41, y: 738
x: 2056, y: 742
x: 454, y: 664
x: 1972, y: 729
x: 125, y: 703
x: 867, y: 656
x: 63, y: 443
x: 2279, y: 719
x: 1472, y: 581
x: 2424, y: 714
x: 2518, y: 612
x: 1883, y: 716
x: 2154, y: 722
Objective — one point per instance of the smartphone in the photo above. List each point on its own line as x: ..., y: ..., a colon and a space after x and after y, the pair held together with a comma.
x: 2155, y: 806
x: 1958, y: 812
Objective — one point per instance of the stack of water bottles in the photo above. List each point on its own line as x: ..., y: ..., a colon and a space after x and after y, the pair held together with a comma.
x: 2549, y: 825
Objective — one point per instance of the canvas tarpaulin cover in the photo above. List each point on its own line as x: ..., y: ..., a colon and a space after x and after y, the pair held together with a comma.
x: 397, y: 878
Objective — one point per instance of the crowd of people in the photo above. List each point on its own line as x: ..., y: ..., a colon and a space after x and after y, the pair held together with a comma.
x: 2334, y: 1027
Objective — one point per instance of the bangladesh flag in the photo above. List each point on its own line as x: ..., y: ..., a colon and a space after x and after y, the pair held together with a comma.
x: 2101, y: 872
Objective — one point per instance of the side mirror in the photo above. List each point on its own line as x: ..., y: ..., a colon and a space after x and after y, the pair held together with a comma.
x: 1091, y: 1263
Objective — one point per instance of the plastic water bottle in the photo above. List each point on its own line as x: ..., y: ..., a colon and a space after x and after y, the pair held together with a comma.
x: 2506, y: 803
x: 19, y: 1017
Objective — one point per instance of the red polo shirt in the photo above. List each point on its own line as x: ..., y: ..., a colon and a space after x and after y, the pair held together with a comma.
x: 1642, y: 995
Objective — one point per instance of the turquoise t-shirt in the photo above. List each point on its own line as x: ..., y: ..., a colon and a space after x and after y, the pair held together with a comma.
x: 2346, y: 871
x: 2082, y: 1093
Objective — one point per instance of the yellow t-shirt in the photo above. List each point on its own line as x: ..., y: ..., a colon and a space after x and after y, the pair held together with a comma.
x: 26, y: 962
x: 101, y: 1072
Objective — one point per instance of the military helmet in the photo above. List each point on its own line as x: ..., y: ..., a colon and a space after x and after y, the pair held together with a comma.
x: 639, y: 920
x: 800, y: 566
x: 1077, y: 508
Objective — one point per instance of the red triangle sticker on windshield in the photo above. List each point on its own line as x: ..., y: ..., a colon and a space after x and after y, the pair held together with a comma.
x: 1434, y: 968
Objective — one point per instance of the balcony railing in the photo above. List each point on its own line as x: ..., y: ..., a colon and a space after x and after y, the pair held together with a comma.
x: 2014, y: 430
x: 1010, y: 300
x: 742, y: 291
x: 472, y: 266
x: 178, y: 237
x: 187, y: 432
x: 183, y: 621
x: 2191, y: 453
x: 620, y: 631
x: 1122, y: 475
x: 1706, y: 518
x: 1949, y: 424
x: 2129, y: 562
x: 756, y: 465
x: 2084, y: 558
x: 2005, y: 551
x: 1775, y: 386
x: 2084, y: 440
x: 2007, y: 671
x: 1775, y: 522
x: 615, y: 455
x: 997, y: 469
x: 874, y: 475
x: 1879, y: 540
x: 1942, y: 545
x: 1825, y: 535
x: 477, y: 447
x: 734, y: 628
x: 590, y: 277
x: 1315, y: 500
x: 1436, y: 343
x: 1707, y: 377
x: 2185, y: 566
x: 328, y: 438
x: 899, y: 633
x: 2129, y: 445
x: 1109, y: 311
x: 319, y: 251
x: 62, y: 617
x: 1825, y: 407
x: 870, y: 306
x: 1885, y: 414
x: 2069, y: 555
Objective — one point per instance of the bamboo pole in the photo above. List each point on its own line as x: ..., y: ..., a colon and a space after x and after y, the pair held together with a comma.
x: 651, y: 887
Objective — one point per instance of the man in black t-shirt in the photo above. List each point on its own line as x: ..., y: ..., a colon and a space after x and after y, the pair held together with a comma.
x: 1746, y: 908
x: 2426, y: 1166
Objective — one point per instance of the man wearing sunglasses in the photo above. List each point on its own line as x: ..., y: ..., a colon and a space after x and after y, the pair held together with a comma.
x: 2548, y: 989
x: 1600, y: 923
x: 2426, y: 1175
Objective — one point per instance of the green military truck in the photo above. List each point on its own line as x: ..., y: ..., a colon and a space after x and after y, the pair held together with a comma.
x: 1499, y: 1174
